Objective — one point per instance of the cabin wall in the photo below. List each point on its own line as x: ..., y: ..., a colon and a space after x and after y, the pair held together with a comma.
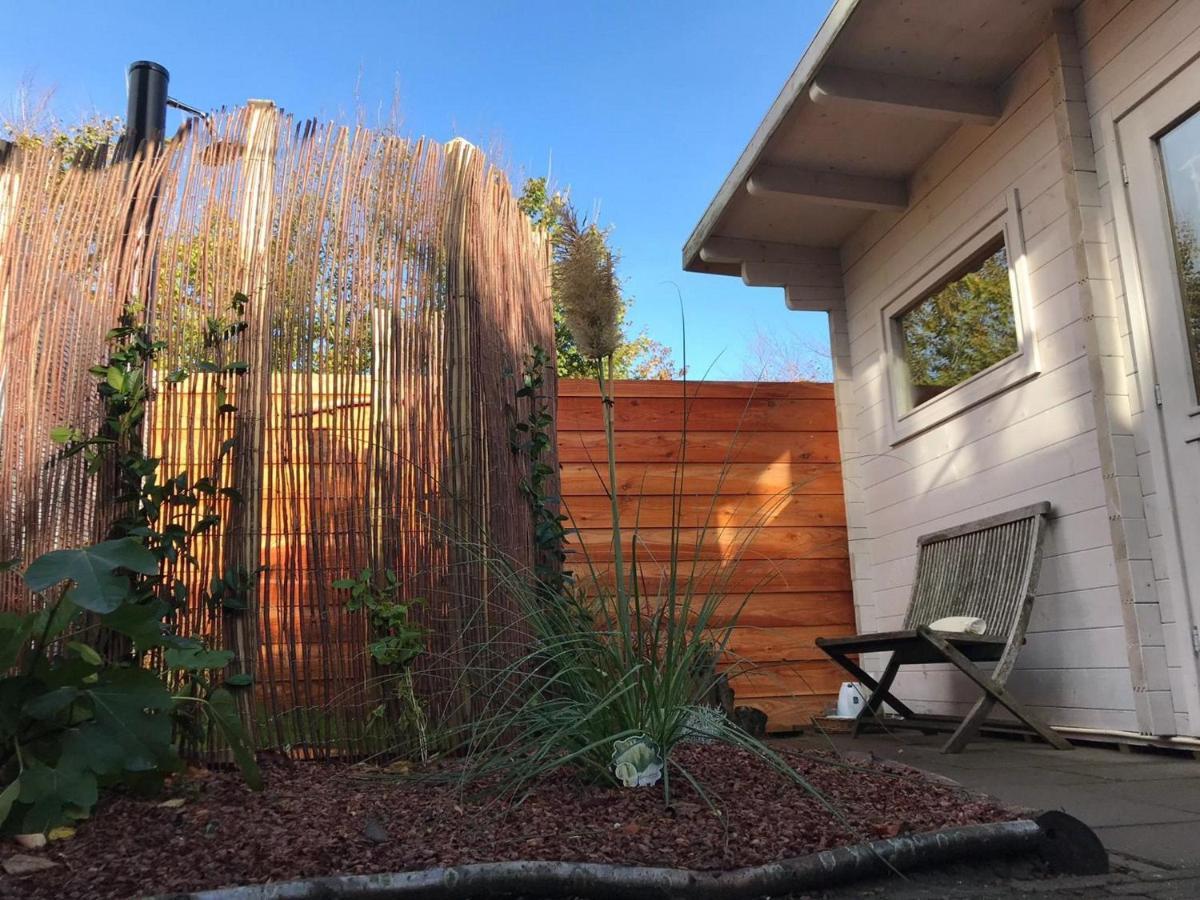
x: 1064, y: 436
x: 1127, y: 48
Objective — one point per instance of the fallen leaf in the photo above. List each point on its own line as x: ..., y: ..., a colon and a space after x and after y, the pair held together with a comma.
x: 173, y: 803
x: 61, y: 833
x: 21, y: 864
x: 34, y: 841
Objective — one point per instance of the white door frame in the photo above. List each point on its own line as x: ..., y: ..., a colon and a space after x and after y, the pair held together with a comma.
x: 1148, y: 112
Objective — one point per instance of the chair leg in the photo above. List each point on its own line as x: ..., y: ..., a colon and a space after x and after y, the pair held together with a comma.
x: 996, y: 691
x: 882, y: 689
x: 969, y: 727
x: 873, y: 685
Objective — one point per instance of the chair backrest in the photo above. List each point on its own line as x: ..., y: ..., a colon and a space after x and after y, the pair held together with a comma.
x: 985, y: 568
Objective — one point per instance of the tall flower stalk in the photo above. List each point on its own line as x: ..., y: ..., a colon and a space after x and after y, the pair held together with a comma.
x: 586, y: 283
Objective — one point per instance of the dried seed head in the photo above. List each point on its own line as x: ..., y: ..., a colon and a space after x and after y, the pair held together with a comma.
x: 586, y: 284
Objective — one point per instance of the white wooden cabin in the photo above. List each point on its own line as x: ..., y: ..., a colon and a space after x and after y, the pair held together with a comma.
x: 915, y: 140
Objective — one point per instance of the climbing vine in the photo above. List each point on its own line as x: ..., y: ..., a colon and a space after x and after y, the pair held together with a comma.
x: 532, y: 436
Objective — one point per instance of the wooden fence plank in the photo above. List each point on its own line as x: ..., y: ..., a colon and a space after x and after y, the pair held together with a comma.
x: 711, y: 414
x: 728, y: 482
x: 702, y: 446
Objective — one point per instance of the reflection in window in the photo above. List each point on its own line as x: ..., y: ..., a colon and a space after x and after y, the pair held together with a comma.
x: 959, y: 329
x: 1181, y: 165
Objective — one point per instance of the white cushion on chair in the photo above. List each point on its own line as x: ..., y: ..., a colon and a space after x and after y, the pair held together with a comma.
x: 960, y: 625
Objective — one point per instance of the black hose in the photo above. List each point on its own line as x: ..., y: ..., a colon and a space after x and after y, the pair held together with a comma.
x: 608, y: 882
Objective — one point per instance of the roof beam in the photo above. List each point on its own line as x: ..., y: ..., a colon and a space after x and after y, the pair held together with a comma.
x: 858, y: 191
x: 739, y: 250
x: 810, y: 299
x: 782, y: 275
x: 904, y: 95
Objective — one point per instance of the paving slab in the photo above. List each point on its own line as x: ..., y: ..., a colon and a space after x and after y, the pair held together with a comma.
x: 1177, y: 793
x: 1141, y: 804
x: 1175, y: 844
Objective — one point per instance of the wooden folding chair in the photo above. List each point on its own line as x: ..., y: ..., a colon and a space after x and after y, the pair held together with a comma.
x: 986, y: 569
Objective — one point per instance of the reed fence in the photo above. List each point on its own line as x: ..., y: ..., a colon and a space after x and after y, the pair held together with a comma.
x: 394, y: 291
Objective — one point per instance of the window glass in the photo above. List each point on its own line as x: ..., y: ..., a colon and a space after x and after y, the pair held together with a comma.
x: 1181, y: 165
x: 961, y: 328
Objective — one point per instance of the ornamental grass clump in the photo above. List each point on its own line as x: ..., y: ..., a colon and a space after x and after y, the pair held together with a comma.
x: 617, y: 665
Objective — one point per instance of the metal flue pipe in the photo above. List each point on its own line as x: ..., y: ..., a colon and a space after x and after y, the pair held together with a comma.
x: 146, y: 113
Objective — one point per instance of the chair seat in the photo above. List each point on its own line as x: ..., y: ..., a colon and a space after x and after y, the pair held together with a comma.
x: 910, y: 647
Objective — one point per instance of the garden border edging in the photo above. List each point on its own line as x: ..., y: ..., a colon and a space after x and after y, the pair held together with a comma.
x: 600, y: 881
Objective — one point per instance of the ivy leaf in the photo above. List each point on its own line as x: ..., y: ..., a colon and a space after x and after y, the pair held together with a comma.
x: 91, y: 569
x: 194, y: 659
x: 116, y: 378
x: 64, y: 434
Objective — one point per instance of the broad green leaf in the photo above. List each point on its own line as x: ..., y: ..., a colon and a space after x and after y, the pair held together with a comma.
x: 239, y: 681
x: 90, y: 746
x: 51, y: 703
x: 49, y: 790
x: 91, y: 569
x: 196, y: 658
x: 16, y: 632
x: 7, y: 798
x: 222, y: 708
x: 86, y: 653
x: 131, y: 706
x: 140, y: 622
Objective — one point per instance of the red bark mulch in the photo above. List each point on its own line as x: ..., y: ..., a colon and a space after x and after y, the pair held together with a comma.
x: 318, y: 819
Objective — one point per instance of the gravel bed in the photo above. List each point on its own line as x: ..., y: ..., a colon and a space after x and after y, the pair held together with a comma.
x: 208, y: 830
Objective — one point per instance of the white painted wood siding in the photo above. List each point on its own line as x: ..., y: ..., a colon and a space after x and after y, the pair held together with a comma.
x: 1127, y: 47
x: 1040, y: 440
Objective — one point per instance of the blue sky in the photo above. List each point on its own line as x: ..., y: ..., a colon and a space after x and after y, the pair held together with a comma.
x: 641, y: 106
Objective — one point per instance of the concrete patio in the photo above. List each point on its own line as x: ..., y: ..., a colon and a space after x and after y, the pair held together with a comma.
x: 1145, y: 806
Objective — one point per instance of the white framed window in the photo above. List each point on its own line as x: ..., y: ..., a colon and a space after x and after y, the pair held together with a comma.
x: 963, y: 332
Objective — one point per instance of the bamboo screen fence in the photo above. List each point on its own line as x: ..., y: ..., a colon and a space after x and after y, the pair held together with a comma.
x: 394, y: 291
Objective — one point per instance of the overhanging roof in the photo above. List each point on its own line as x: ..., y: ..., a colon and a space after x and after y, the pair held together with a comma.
x: 882, y: 86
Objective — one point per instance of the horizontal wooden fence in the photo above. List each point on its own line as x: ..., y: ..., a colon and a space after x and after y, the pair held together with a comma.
x: 761, y: 491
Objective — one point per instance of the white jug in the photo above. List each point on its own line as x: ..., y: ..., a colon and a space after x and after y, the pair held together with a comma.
x: 850, y: 700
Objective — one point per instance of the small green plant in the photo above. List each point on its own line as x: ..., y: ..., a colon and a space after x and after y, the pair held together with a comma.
x: 637, y: 761
x: 395, y: 641
x: 100, y: 683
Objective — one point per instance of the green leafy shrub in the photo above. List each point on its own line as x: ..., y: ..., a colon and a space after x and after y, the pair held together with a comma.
x: 100, y: 685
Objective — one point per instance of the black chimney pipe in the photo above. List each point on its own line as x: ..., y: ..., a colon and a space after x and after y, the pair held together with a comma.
x: 146, y: 114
